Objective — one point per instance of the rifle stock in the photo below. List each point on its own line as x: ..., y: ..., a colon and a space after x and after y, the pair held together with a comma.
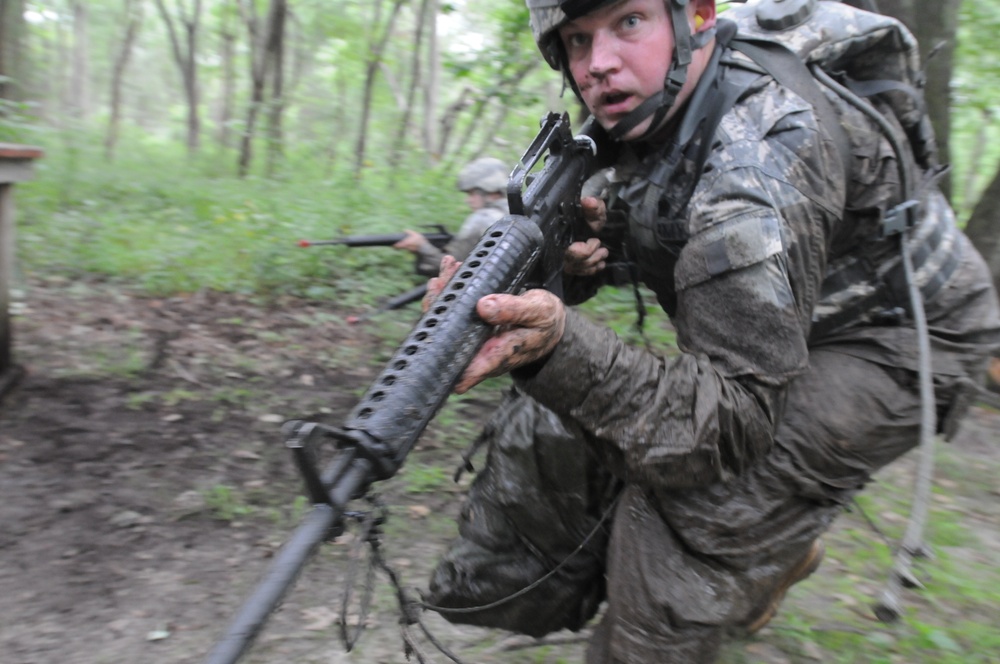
x: 521, y: 250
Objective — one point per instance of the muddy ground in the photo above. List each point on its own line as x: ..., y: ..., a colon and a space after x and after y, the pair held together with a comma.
x: 144, y: 486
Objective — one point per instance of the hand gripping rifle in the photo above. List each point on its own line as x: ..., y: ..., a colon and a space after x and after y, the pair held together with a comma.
x: 523, y: 249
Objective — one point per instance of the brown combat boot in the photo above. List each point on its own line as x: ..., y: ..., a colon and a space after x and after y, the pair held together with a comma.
x: 769, y: 605
x: 993, y: 375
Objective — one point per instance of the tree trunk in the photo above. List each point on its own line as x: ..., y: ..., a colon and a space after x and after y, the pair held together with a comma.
x: 227, y: 39
x: 411, y: 92
x: 261, y: 61
x: 80, y: 78
x: 971, y: 184
x: 185, y: 56
x: 133, y: 15
x: 935, y: 24
x: 276, y: 54
x: 433, y: 80
x: 376, y: 48
x: 12, y: 64
x: 983, y: 227
x: 62, y: 74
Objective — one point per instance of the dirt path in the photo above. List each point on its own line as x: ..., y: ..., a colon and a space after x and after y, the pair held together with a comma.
x: 144, y: 486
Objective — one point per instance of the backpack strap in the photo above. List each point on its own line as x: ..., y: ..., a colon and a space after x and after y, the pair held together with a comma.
x: 788, y: 69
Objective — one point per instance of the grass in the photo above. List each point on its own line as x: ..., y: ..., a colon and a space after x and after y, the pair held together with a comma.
x: 169, y: 224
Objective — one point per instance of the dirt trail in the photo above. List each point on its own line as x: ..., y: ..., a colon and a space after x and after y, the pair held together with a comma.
x: 144, y: 487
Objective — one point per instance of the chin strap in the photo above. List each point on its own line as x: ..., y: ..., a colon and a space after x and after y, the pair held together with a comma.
x: 660, y: 104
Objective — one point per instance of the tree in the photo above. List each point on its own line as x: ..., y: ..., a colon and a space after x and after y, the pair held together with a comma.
x: 935, y: 25
x: 80, y: 77
x: 975, y: 89
x: 376, y: 47
x: 12, y: 32
x: 432, y: 86
x: 983, y: 227
x: 185, y: 56
x: 276, y: 54
x: 227, y: 40
x: 133, y: 12
x: 264, y: 40
x: 423, y: 18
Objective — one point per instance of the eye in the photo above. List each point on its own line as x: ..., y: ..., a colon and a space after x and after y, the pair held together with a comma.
x: 574, y: 40
x: 631, y: 21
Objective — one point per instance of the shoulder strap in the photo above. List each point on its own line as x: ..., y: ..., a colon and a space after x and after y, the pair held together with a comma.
x: 789, y: 70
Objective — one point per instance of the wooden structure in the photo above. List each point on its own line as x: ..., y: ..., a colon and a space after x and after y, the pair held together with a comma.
x: 15, y: 166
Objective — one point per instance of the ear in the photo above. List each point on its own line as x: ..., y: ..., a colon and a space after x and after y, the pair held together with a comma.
x: 704, y: 15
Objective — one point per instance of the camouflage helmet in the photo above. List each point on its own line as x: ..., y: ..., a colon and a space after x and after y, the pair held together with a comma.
x: 486, y: 173
x: 546, y: 16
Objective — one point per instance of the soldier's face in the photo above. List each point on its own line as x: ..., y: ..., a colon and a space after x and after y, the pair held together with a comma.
x: 475, y: 199
x: 619, y: 55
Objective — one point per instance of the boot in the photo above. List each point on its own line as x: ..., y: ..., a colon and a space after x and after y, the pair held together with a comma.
x: 769, y: 605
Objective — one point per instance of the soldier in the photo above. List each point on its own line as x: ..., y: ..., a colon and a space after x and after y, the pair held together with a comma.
x: 484, y: 182
x: 765, y: 207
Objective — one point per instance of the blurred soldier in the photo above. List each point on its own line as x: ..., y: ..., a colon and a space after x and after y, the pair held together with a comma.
x: 484, y: 182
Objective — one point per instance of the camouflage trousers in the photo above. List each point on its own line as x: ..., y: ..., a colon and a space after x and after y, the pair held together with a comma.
x: 684, y: 568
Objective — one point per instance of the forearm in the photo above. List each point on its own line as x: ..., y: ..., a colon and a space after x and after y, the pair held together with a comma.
x: 677, y: 422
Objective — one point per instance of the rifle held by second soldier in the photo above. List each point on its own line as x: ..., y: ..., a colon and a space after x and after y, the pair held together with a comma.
x: 436, y: 234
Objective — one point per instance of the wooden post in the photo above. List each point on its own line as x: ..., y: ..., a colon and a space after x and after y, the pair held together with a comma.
x: 15, y: 166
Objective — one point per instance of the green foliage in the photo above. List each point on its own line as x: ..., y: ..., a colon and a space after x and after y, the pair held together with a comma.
x: 169, y: 224
x: 423, y: 478
x: 225, y: 503
x: 976, y: 103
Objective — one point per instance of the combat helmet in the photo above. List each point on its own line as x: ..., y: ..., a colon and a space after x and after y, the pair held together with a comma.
x: 547, y: 16
x: 486, y: 173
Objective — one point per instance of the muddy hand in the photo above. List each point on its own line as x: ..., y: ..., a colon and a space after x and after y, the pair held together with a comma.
x: 584, y: 259
x: 528, y: 327
x: 449, y: 266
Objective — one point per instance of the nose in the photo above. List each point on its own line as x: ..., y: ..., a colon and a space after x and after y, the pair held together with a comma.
x: 604, y: 57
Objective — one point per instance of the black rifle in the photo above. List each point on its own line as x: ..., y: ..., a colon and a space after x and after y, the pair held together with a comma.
x: 395, y: 302
x: 522, y: 250
x: 436, y: 234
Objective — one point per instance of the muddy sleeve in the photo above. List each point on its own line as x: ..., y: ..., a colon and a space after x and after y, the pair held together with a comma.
x: 746, y: 284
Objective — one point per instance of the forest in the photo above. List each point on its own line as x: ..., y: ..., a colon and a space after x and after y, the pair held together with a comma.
x: 359, y: 97
x: 166, y: 321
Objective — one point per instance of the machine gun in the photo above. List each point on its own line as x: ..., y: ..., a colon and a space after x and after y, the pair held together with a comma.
x: 522, y: 250
x: 436, y: 234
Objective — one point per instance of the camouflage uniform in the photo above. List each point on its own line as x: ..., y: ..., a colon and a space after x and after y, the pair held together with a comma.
x: 740, y: 451
x: 429, y: 257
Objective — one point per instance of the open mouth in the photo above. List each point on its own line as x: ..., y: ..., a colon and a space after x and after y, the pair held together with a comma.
x: 616, y: 103
x: 615, y: 98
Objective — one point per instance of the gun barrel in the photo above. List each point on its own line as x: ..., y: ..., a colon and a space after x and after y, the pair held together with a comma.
x: 287, y: 565
x: 358, y: 241
x: 436, y: 235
